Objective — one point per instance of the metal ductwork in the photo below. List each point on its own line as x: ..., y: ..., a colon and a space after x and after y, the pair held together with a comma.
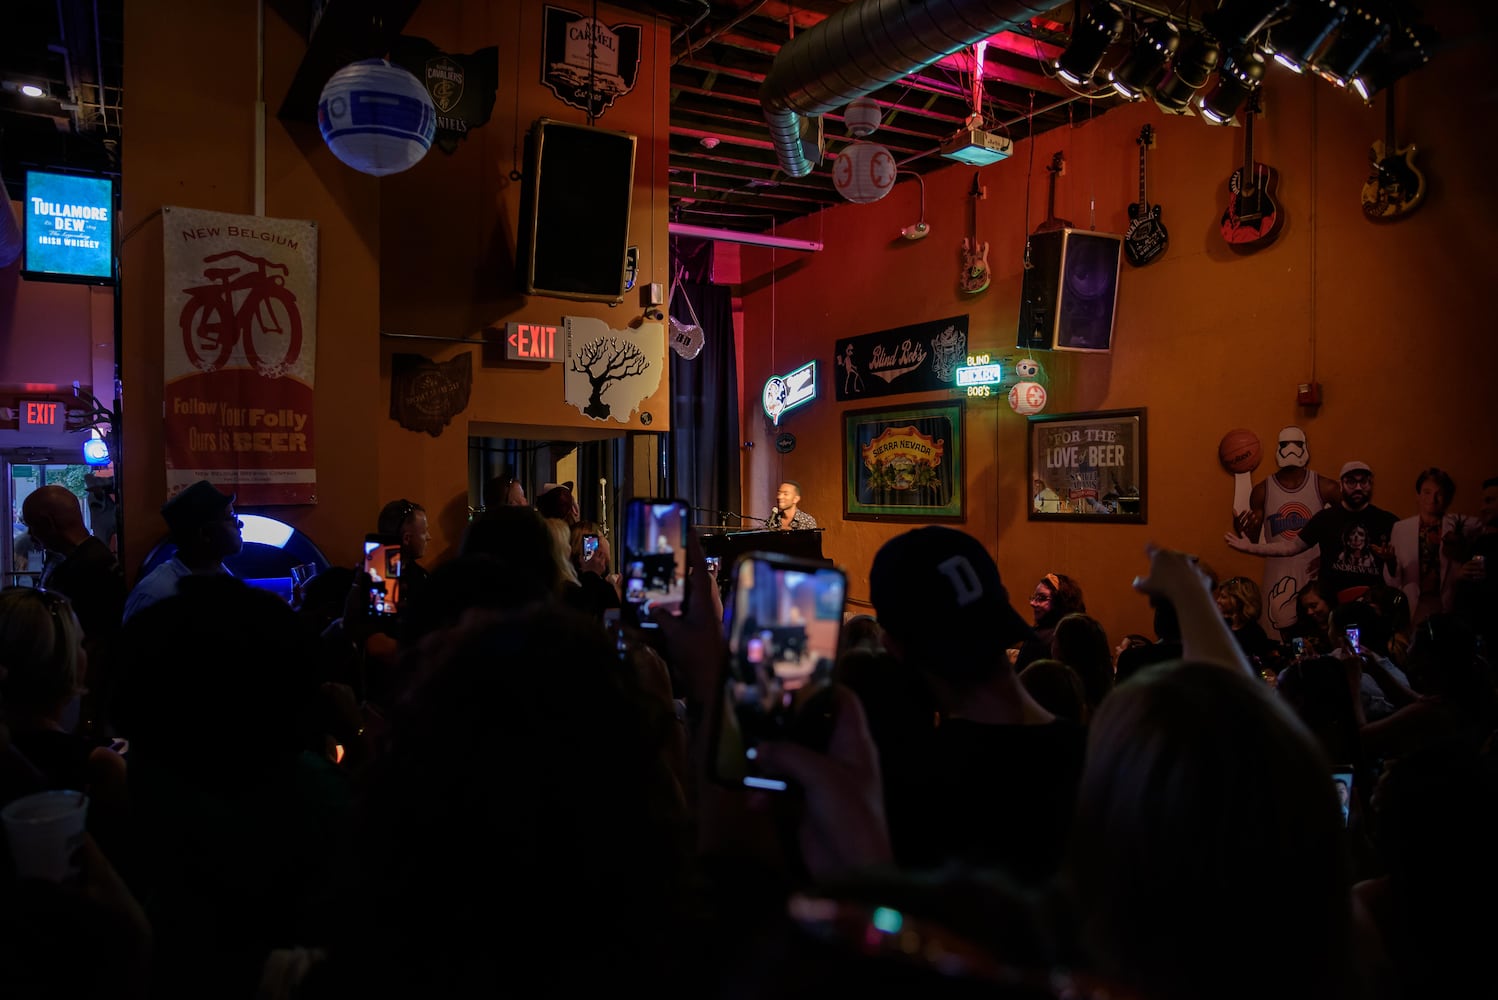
x: 866, y: 46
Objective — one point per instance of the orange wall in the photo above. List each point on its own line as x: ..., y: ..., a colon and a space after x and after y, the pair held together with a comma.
x: 191, y: 82
x: 1396, y: 321
x: 449, y: 229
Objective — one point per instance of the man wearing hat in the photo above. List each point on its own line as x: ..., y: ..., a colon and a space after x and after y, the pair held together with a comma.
x: 1354, y: 538
x: 200, y: 521
x: 975, y: 770
x: 557, y: 500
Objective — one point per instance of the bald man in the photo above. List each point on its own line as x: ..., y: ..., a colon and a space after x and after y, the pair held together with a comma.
x: 85, y: 571
x: 89, y: 576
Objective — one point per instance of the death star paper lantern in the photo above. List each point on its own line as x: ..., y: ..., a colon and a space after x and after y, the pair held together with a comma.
x: 1027, y: 398
x: 864, y: 172
x: 377, y: 118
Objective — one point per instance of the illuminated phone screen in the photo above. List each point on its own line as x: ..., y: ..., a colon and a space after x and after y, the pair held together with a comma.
x: 782, y: 634
x: 655, y: 558
x: 382, y: 560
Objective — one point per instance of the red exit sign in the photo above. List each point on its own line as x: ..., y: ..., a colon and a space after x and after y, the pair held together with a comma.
x: 531, y: 342
x: 41, y: 413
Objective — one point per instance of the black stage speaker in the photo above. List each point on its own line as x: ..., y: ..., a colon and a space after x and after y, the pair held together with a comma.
x: 575, y: 211
x: 1070, y: 289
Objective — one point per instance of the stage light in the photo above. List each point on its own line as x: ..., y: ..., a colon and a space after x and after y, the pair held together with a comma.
x: 1295, y: 41
x: 1408, y: 50
x: 1362, y: 33
x: 1137, y: 75
x: 1090, y: 39
x: 1240, y: 76
x: 1188, y: 74
x: 1236, y: 21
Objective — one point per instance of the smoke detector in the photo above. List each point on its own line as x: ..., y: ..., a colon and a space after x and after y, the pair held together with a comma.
x: 710, y: 142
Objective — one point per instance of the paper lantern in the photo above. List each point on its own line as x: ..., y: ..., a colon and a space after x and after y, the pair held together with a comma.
x: 861, y: 117
x: 864, y: 172
x: 377, y: 118
x: 1027, y: 398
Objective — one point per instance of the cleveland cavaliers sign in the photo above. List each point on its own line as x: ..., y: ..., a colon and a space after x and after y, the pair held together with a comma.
x: 586, y: 63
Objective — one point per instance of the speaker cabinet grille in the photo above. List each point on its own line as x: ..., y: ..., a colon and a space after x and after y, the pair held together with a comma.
x: 1070, y: 291
x: 575, y: 210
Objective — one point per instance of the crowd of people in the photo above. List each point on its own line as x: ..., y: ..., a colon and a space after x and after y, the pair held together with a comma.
x: 501, y: 789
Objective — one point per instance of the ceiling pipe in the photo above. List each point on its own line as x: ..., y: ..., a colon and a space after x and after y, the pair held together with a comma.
x: 732, y: 236
x: 866, y: 46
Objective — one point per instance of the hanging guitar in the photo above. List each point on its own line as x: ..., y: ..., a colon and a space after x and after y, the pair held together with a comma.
x: 1252, y: 220
x: 975, y: 273
x: 1146, y: 238
x: 1397, y: 186
x: 1051, y: 223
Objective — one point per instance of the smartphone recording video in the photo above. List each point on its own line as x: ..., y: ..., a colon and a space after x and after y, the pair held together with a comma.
x: 1342, y: 782
x: 590, y: 547
x: 1353, y: 635
x: 655, y: 559
x: 783, y: 628
x: 382, y: 562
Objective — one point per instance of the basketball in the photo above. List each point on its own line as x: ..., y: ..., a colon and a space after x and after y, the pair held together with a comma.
x: 1239, y: 451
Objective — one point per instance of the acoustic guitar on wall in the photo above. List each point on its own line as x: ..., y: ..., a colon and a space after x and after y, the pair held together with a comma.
x: 1396, y: 186
x: 1253, y: 219
x: 1146, y: 238
x: 1051, y: 223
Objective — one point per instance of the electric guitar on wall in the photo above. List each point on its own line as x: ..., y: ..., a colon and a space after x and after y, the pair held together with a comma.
x: 1051, y: 223
x: 1396, y: 186
x: 975, y: 272
x: 1252, y: 220
x: 1146, y: 238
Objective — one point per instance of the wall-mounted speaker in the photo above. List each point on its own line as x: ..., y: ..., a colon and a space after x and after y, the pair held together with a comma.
x: 1069, y: 292
x: 575, y: 211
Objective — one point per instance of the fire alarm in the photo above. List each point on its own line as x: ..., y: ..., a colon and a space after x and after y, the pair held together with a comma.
x: 1308, y: 394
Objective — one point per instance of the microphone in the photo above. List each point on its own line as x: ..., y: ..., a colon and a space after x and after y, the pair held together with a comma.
x: 774, y: 519
x: 603, y: 506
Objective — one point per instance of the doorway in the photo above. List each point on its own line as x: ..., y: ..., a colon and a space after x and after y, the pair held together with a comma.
x: 22, y: 562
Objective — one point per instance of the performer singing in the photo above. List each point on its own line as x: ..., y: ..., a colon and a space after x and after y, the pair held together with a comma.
x: 788, y: 515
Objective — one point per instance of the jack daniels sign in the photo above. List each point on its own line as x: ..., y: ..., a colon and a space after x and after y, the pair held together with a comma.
x: 917, y: 358
x: 462, y: 87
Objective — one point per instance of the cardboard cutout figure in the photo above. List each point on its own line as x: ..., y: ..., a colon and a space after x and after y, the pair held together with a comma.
x: 1280, y: 505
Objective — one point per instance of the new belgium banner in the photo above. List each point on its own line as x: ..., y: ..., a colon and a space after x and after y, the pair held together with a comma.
x: 240, y: 322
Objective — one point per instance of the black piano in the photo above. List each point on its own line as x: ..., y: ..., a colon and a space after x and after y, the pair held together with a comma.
x: 729, y: 545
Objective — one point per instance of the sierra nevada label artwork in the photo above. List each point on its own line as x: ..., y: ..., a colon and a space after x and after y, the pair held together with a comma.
x: 588, y: 64
x: 904, y: 462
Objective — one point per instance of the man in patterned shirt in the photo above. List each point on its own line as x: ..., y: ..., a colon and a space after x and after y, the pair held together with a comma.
x: 788, y: 515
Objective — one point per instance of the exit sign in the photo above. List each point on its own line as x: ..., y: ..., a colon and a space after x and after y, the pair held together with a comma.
x: 42, y: 413
x: 530, y: 342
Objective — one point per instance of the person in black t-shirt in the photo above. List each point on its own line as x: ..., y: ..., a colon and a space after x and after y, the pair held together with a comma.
x: 1354, y: 537
x: 975, y: 771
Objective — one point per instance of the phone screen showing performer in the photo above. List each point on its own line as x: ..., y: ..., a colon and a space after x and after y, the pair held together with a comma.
x: 655, y: 559
x: 783, y: 627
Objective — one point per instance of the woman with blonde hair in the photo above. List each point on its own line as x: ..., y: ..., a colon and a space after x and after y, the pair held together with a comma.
x: 41, y: 679
x: 1240, y: 602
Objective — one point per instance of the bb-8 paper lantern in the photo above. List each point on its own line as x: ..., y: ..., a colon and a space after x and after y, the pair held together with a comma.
x: 1027, y: 398
x: 377, y: 118
x: 864, y: 172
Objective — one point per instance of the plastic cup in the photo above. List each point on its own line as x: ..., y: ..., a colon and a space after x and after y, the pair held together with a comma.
x: 45, y: 831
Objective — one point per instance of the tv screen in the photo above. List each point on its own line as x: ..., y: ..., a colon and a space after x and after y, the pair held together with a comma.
x: 576, y: 211
x: 69, y: 227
